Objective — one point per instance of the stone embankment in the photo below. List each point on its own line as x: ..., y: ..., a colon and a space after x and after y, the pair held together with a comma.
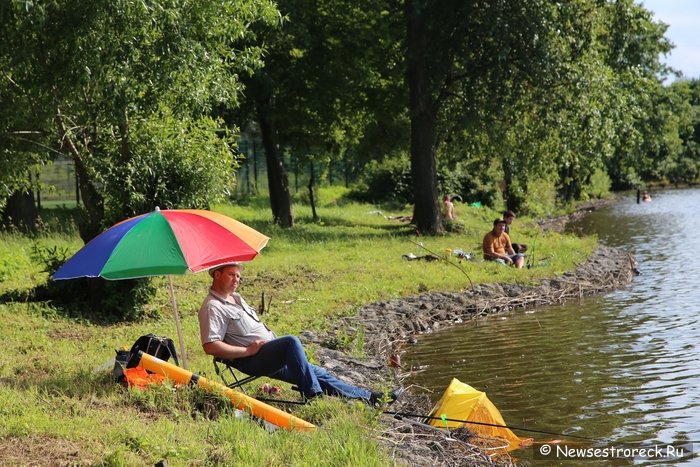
x: 397, y: 321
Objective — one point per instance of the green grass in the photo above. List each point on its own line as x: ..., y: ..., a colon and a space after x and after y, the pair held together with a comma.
x: 55, y: 388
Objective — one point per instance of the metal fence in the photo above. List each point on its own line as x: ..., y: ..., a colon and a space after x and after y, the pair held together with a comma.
x: 57, y: 183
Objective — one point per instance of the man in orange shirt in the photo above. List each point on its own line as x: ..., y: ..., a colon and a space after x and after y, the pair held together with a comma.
x: 497, y: 246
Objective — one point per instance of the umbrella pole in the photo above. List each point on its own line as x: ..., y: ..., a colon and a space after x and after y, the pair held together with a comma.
x: 177, y: 322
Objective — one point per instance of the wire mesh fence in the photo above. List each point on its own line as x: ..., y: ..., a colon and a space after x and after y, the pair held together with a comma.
x: 58, y: 184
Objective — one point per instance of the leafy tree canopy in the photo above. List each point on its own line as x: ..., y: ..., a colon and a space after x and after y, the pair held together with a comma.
x: 99, y: 80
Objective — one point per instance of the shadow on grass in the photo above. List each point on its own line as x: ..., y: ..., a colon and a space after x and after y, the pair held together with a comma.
x: 337, y: 227
x: 71, y: 382
x: 90, y: 300
x: 334, y: 229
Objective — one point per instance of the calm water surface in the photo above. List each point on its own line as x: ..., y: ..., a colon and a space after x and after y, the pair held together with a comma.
x: 624, y: 366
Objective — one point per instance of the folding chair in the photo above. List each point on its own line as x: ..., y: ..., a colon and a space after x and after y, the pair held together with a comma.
x: 228, y: 375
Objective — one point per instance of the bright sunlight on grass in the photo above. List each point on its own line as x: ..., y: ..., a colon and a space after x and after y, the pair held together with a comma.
x: 57, y: 394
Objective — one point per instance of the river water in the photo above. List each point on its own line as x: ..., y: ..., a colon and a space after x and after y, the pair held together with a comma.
x: 624, y: 366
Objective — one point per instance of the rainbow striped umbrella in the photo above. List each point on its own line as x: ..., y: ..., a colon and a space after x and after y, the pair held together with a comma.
x: 165, y: 243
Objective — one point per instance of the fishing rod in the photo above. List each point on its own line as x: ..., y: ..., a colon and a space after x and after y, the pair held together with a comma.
x: 398, y: 415
x: 405, y: 414
x: 281, y: 401
x: 420, y: 244
x: 531, y: 256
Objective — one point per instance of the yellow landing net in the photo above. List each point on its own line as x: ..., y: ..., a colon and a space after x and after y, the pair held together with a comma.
x: 462, y: 402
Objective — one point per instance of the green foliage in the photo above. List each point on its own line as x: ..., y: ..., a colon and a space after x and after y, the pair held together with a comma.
x: 173, y: 163
x: 463, y: 180
x: 520, y: 91
x: 391, y: 182
x: 14, y: 167
x: 682, y: 169
x: 647, y: 117
x: 388, y: 181
x: 541, y: 200
x: 599, y: 185
x: 50, y: 257
x: 319, y: 88
x: 91, y: 80
x: 681, y: 150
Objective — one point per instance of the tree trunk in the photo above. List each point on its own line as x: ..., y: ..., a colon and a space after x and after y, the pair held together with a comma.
x: 311, y: 191
x: 92, y: 199
x: 423, y: 114
x: 570, y: 188
x: 255, y: 167
x: 295, y: 163
x: 20, y: 212
x: 330, y: 172
x: 511, y: 201
x: 280, y: 201
x: 346, y: 170
x: 247, y: 177
x: 38, y: 189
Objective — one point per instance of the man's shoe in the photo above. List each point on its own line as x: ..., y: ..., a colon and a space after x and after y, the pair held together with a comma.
x: 375, y: 398
x: 395, y: 394
x: 378, y: 397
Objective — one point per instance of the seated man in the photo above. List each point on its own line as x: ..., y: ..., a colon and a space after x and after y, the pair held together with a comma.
x: 497, y: 247
x: 231, y: 330
x: 509, y: 217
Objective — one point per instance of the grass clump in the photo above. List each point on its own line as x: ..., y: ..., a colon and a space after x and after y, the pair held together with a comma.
x: 57, y: 398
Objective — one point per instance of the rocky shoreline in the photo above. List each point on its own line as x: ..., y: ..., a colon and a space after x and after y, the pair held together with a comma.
x: 390, y: 325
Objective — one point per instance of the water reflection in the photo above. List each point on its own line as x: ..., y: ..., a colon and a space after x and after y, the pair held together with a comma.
x: 621, y: 366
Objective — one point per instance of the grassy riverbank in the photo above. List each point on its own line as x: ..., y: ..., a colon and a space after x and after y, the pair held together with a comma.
x: 59, y: 405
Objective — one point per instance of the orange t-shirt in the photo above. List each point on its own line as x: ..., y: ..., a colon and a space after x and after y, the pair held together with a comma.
x: 500, y: 244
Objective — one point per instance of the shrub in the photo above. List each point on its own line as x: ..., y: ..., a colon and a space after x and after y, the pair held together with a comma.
x: 541, y: 198
x: 599, y: 185
x: 95, y: 299
x: 387, y: 181
x: 461, y: 181
x: 173, y: 163
x: 391, y: 182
